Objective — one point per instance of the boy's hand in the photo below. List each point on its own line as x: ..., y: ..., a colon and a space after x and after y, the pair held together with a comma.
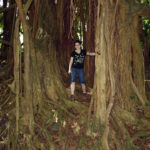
x: 98, y: 52
x: 69, y: 71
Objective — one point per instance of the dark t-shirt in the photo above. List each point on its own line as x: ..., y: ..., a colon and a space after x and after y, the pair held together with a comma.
x: 78, y: 59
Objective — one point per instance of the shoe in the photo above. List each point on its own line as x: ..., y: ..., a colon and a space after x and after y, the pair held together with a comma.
x: 84, y: 96
x: 72, y: 97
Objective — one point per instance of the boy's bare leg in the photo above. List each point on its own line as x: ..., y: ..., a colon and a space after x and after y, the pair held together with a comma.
x: 72, y: 86
x: 83, y: 87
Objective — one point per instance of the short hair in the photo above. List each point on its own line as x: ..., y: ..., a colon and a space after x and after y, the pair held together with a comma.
x: 78, y: 41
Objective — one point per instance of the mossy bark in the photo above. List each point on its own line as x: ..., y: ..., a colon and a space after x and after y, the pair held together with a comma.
x: 119, y: 73
x: 42, y: 78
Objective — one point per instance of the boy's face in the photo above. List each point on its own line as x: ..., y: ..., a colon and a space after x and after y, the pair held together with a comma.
x: 77, y: 45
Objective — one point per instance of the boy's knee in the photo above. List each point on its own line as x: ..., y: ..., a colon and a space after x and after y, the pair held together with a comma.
x: 72, y: 83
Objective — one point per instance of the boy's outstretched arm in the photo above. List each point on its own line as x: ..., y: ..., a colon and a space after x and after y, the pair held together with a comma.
x: 93, y: 53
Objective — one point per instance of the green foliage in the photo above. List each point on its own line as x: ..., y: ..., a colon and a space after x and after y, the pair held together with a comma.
x: 132, y: 97
x: 146, y: 30
x: 78, y: 22
x: 146, y: 27
x: 1, y: 21
x: 145, y: 1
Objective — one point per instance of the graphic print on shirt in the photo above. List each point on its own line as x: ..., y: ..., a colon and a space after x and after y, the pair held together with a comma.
x: 78, y: 61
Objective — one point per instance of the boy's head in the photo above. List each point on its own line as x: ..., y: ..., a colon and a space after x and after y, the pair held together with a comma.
x: 77, y: 44
x: 78, y: 41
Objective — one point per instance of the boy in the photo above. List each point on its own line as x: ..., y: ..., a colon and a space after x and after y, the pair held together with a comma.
x: 76, y: 66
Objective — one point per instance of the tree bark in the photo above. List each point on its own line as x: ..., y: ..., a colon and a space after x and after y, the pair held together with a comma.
x: 17, y: 78
x: 27, y: 101
x: 119, y: 75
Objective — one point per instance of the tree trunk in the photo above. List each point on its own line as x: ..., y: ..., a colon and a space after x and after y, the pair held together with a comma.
x: 89, y: 41
x: 42, y: 87
x: 119, y: 75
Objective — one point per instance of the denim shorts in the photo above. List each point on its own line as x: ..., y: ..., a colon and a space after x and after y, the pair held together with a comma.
x: 75, y: 72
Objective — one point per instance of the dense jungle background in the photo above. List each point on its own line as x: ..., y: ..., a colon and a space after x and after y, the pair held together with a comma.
x: 36, y: 40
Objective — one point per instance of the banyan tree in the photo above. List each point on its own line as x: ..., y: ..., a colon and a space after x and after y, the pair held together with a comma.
x: 35, y: 107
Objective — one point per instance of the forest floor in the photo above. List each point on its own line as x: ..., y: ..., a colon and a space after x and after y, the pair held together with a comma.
x: 72, y: 132
x: 79, y: 96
